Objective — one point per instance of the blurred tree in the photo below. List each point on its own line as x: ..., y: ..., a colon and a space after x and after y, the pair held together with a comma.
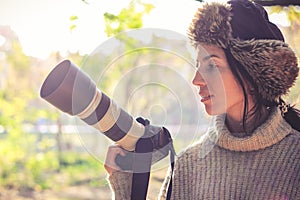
x: 128, y: 18
x: 17, y: 95
x: 25, y: 157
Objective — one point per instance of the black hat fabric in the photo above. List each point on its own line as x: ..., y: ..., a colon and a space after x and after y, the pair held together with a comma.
x: 250, y: 21
x: 243, y: 27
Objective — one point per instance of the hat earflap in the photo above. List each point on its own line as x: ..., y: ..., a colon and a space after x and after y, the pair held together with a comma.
x: 271, y: 63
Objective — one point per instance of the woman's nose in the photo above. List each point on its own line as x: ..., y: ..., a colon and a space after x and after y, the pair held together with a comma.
x: 198, y: 79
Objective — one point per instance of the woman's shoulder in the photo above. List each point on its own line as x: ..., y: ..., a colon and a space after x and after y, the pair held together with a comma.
x: 190, y: 150
x: 294, y: 136
x: 197, y: 149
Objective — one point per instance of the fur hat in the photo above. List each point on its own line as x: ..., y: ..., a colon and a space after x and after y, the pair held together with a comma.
x: 244, y: 29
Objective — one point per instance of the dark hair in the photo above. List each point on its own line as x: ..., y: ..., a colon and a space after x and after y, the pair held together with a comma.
x: 292, y: 116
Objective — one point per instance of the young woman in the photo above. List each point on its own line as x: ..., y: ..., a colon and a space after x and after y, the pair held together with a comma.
x: 244, y: 68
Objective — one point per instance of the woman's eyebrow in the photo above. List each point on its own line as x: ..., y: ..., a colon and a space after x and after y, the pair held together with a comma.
x: 209, y: 56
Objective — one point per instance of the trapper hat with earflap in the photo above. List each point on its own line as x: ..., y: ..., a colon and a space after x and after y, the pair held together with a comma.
x: 243, y: 28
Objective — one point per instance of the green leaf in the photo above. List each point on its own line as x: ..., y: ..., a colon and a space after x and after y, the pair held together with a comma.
x: 72, y: 27
x: 73, y: 18
x: 148, y: 7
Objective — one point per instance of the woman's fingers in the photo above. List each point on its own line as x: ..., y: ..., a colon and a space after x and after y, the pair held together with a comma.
x: 110, y: 160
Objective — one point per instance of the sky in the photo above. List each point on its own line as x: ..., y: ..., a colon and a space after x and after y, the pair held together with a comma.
x: 43, y: 26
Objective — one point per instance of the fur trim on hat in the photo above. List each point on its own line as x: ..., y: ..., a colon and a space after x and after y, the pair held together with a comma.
x: 271, y: 63
x: 211, y: 25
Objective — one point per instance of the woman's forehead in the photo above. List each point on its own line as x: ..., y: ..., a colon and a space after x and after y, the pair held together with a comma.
x: 204, y: 51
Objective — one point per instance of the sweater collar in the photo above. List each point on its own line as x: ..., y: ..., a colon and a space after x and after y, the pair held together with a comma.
x: 269, y: 133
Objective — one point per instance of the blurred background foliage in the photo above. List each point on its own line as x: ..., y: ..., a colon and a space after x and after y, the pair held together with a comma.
x: 41, y: 160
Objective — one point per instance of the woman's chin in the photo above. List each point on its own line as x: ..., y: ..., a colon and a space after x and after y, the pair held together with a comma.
x: 210, y: 110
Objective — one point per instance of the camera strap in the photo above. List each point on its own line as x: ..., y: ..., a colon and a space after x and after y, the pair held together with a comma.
x: 172, y: 159
x: 162, y: 145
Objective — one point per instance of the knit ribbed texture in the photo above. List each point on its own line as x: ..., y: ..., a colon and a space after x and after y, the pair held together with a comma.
x: 265, y: 165
x: 120, y: 182
x: 260, y: 139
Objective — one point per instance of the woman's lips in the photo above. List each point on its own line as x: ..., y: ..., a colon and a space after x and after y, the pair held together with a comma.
x: 206, y: 98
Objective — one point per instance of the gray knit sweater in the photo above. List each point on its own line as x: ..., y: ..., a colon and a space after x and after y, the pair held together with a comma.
x: 265, y: 165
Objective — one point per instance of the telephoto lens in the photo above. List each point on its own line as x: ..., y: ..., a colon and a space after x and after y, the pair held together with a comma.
x: 72, y: 91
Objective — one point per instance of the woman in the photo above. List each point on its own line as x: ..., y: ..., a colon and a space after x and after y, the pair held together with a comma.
x: 243, y: 70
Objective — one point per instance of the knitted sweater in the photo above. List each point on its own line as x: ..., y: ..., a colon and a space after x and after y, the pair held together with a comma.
x: 265, y: 165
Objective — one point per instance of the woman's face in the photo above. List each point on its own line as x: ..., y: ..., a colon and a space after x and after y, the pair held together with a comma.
x: 219, y: 90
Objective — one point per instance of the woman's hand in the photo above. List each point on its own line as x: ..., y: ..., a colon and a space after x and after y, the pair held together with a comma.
x: 110, y: 160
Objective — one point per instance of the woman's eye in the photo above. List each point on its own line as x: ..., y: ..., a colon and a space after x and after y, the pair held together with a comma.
x: 210, y: 67
x: 206, y: 68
